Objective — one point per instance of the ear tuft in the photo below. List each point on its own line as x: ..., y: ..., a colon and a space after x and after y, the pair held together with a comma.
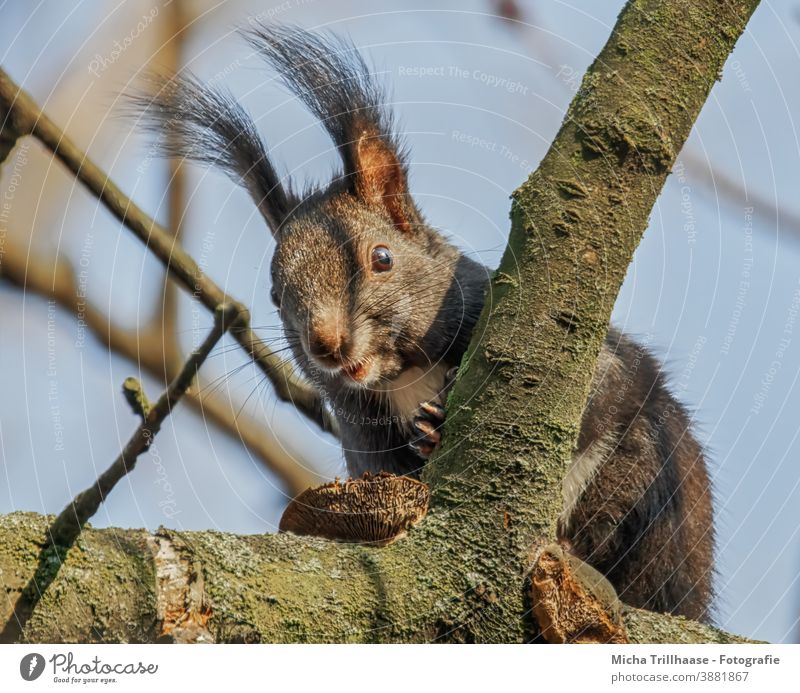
x: 207, y: 125
x: 333, y: 80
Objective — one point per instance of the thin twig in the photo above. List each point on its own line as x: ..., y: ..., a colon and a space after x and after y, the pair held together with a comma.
x: 719, y: 183
x: 28, y: 119
x: 67, y: 526
x: 169, y: 55
x: 55, y: 279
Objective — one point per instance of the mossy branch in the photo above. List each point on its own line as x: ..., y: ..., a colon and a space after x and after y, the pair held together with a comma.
x: 110, y: 587
x: 515, y: 409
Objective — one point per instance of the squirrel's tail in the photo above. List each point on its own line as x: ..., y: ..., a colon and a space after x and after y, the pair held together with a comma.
x: 206, y: 124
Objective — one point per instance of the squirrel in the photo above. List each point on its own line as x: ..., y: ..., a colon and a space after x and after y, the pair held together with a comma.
x: 378, y: 308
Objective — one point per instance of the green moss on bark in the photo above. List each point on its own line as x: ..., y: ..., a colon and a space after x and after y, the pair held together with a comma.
x: 646, y: 627
x: 101, y: 590
x: 575, y: 224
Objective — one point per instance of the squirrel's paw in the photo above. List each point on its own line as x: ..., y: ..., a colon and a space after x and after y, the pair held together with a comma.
x: 427, y: 423
x: 426, y: 426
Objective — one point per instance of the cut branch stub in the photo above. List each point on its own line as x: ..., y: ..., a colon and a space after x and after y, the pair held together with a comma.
x: 572, y: 602
x: 376, y: 509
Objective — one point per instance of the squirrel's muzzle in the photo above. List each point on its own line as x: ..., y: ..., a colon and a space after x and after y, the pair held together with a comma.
x: 329, y: 341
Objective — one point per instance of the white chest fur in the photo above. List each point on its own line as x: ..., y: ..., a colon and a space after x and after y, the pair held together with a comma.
x: 581, y: 472
x: 413, y: 386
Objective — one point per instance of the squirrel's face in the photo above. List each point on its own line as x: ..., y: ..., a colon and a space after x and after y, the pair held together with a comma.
x: 358, y: 296
x: 364, y: 288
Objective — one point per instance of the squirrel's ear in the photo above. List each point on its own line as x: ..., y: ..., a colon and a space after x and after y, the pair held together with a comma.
x: 379, y: 179
x: 331, y: 77
x: 209, y: 126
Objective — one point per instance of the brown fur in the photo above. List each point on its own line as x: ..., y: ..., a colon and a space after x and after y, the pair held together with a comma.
x: 645, y: 518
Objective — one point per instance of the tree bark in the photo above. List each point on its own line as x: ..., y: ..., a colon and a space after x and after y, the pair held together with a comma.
x: 271, y: 588
x: 516, y: 407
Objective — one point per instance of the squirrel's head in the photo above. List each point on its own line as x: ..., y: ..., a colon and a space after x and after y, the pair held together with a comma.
x: 360, y: 281
x: 358, y: 277
x: 359, y: 294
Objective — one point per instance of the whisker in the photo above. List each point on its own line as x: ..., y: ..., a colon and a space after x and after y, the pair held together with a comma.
x: 216, y: 384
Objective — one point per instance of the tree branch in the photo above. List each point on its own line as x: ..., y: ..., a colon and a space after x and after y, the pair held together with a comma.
x: 144, y: 347
x: 67, y: 526
x: 27, y: 119
x: 62, y: 533
x: 269, y: 588
x: 575, y: 224
x: 719, y: 183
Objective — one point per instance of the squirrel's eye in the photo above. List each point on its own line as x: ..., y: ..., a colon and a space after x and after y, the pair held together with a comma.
x: 274, y: 296
x: 381, y: 259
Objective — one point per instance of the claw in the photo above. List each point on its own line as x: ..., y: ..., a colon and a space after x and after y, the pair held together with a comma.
x: 427, y: 430
x: 433, y: 410
x: 423, y: 426
x: 422, y: 449
x: 450, y: 377
x: 430, y: 417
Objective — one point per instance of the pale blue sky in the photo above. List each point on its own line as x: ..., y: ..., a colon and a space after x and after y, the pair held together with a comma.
x: 509, y: 89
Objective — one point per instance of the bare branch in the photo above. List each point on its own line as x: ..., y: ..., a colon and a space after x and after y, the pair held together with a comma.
x: 68, y: 525
x: 718, y: 183
x: 144, y: 347
x: 27, y: 119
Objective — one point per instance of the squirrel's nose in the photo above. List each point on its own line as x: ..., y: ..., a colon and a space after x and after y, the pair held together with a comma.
x: 329, y: 341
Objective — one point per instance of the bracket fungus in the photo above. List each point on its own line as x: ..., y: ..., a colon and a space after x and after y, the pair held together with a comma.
x: 375, y: 509
x: 572, y: 602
